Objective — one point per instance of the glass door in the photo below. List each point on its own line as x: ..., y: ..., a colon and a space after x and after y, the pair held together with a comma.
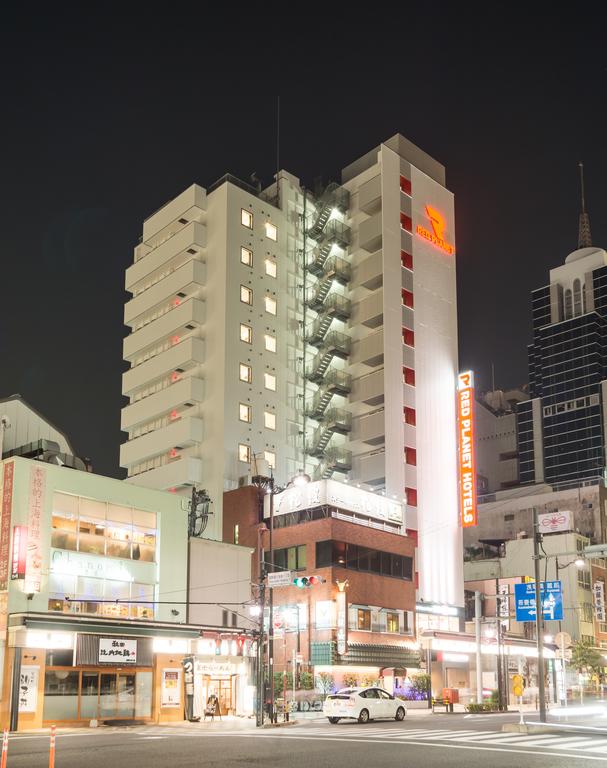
x: 107, y: 694
x: 126, y: 695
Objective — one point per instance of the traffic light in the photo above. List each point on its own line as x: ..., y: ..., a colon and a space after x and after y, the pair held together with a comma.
x: 308, y: 581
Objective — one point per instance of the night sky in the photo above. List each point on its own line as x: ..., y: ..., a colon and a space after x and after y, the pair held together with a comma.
x: 108, y: 114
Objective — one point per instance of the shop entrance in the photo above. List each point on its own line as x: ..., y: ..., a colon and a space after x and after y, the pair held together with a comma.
x: 224, y: 688
x: 87, y: 694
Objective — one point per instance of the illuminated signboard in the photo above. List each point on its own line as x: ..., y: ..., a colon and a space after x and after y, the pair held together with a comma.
x: 437, y: 235
x: 467, y: 458
x: 19, y: 552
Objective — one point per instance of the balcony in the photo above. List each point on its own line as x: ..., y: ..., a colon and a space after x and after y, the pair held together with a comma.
x: 182, y: 433
x: 189, y: 205
x: 369, y: 196
x: 337, y: 306
x: 370, y: 233
x: 370, y: 468
x: 369, y: 272
x: 173, y: 398
x: 183, y: 246
x: 370, y: 428
x: 369, y: 388
x: 187, y: 280
x: 184, y: 356
x: 369, y: 350
x: 336, y: 460
x: 175, y: 474
x: 370, y: 311
x: 174, y: 323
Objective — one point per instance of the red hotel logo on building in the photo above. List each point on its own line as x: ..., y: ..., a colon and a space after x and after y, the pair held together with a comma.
x: 437, y: 236
x: 467, y: 458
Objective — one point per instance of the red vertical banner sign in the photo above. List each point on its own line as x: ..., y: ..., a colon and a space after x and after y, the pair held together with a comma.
x: 5, y: 523
x: 467, y: 453
x: 33, y: 561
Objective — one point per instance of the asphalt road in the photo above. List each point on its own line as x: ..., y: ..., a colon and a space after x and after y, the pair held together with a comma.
x: 428, y: 742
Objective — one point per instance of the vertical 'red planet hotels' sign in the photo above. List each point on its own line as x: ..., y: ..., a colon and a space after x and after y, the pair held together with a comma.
x: 467, y: 457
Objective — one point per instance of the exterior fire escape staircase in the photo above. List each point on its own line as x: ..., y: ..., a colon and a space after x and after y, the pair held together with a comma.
x: 330, y: 271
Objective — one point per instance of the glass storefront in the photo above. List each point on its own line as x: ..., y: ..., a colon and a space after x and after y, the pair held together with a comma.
x: 86, y: 694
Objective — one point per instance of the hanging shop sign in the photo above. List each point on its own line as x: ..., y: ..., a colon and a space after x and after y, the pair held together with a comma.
x: 171, y: 688
x: 33, y: 563
x: 555, y: 522
x: 28, y: 688
x: 117, y: 650
x: 19, y: 552
x: 467, y: 453
x: 598, y: 594
x: 5, y: 522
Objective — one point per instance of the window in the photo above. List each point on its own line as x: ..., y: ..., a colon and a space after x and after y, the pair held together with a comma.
x: 338, y: 554
x: 409, y: 376
x: 269, y: 381
x: 407, y: 297
x: 405, y: 185
x: 246, y: 256
x: 577, y: 297
x: 392, y: 622
x: 270, y: 342
x: 269, y: 420
x: 289, y: 558
x: 246, y: 333
x: 583, y: 579
x: 244, y: 453
x: 408, y: 337
x: 587, y: 612
x: 246, y: 218
x: 405, y: 222
x: 363, y: 620
x: 245, y: 373
x: 406, y: 259
x: 271, y: 231
x: 270, y: 457
x: 411, y: 456
x: 270, y: 305
x: 411, y: 495
x: 271, y: 267
x: 409, y: 414
x: 236, y: 533
x: 246, y: 295
x: 244, y: 412
x: 568, y: 304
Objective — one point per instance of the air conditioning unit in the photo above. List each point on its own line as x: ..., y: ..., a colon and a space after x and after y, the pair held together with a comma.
x: 243, y: 481
x: 521, y: 535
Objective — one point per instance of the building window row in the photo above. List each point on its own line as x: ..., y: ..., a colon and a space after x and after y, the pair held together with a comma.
x: 392, y: 622
x: 246, y: 258
x: 246, y: 297
x: 245, y: 374
x: 339, y: 554
x: 406, y: 259
x: 80, y: 594
x: 244, y: 455
x: 246, y: 219
x: 571, y: 405
x: 99, y: 528
x: 245, y: 413
x: 289, y: 558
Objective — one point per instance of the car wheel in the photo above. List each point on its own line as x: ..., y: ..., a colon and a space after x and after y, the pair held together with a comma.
x: 400, y: 713
x: 363, y: 716
x: 334, y: 720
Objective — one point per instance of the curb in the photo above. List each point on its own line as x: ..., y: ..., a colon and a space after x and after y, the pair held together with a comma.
x: 553, y: 728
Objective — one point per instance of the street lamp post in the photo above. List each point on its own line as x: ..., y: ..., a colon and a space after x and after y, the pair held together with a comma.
x: 539, y: 616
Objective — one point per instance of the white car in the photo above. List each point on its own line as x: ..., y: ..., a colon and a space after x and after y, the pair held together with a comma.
x: 363, y: 704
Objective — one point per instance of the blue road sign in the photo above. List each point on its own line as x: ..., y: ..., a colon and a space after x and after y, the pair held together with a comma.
x: 551, y: 596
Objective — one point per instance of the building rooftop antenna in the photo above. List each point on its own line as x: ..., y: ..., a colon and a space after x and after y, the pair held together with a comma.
x: 584, y: 237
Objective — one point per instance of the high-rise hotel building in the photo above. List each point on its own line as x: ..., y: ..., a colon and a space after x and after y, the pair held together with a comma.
x: 315, y: 330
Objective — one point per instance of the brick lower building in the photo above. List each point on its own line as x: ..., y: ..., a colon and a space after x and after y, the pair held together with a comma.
x: 341, y: 534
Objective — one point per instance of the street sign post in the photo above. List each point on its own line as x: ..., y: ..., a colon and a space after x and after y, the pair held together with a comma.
x: 280, y: 579
x: 551, y: 599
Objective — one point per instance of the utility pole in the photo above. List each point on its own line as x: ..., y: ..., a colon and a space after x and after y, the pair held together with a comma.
x: 478, y: 611
x: 539, y: 615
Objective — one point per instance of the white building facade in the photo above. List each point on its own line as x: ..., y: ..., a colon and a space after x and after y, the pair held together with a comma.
x: 317, y: 332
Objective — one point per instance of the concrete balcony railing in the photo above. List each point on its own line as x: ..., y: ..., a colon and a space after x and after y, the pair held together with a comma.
x: 187, y: 206
x: 369, y: 350
x: 170, y: 255
x: 369, y: 195
x: 180, y: 434
x: 188, y: 279
x: 183, y: 356
x: 175, y: 323
x: 370, y: 467
x: 370, y: 233
x: 369, y: 311
x: 173, y: 398
x: 175, y: 474
x: 369, y: 388
x: 370, y: 428
x: 369, y: 272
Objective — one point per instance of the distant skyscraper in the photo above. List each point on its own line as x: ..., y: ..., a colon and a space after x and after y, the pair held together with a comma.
x: 562, y: 428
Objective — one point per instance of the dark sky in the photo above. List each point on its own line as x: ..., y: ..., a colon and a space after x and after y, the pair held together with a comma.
x: 107, y: 114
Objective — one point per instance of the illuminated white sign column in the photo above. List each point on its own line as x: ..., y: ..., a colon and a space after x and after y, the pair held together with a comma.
x: 440, y: 549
